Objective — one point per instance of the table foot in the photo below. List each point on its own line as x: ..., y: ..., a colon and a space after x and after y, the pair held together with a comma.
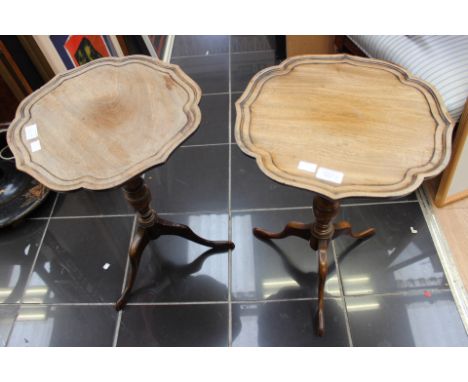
x: 150, y: 227
x: 139, y: 242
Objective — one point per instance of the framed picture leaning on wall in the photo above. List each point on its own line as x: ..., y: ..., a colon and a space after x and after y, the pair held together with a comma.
x: 64, y: 52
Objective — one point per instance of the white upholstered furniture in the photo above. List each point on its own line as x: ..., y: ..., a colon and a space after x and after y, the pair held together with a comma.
x: 443, y: 62
x: 440, y: 60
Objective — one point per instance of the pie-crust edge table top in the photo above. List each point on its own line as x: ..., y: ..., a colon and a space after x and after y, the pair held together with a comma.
x: 376, y: 130
x: 104, y: 122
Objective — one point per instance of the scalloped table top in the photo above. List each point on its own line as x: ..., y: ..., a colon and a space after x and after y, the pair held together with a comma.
x: 103, y: 123
x: 344, y: 126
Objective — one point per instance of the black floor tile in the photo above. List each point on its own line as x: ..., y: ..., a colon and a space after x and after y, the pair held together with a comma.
x: 245, y: 66
x: 211, y: 73
x: 174, y: 269
x: 64, y: 326
x: 81, y: 260
x: 423, y: 319
x: 87, y: 203
x: 192, y: 179
x: 279, y: 269
x: 288, y: 323
x: 174, y: 325
x: 214, y: 126
x: 399, y: 257
x: 7, y: 318
x: 195, y: 45
x: 18, y: 248
x: 253, y: 189
x: 252, y: 43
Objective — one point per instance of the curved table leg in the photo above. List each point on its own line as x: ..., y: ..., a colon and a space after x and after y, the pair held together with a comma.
x: 165, y: 227
x: 292, y: 229
x: 139, y: 242
x: 323, y: 270
x: 344, y: 228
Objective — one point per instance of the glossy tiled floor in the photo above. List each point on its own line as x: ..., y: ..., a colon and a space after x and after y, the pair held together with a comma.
x: 62, y: 270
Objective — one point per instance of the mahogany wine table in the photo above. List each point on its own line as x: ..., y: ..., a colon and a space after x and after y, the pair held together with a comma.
x: 100, y: 126
x: 341, y: 126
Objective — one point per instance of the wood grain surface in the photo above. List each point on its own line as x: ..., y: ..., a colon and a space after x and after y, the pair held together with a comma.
x: 379, y: 130
x: 105, y: 122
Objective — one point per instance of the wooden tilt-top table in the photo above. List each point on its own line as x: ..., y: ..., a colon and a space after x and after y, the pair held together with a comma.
x: 341, y: 126
x: 103, y: 124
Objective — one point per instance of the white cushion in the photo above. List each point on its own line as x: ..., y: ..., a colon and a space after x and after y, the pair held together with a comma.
x: 439, y: 60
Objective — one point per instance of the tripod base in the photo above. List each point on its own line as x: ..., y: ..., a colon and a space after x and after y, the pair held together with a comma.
x: 319, y: 235
x: 150, y: 227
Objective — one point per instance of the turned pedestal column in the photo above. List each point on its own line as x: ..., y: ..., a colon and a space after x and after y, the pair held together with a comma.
x: 149, y: 227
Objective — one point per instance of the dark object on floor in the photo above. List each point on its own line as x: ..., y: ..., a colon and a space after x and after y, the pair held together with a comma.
x: 19, y: 193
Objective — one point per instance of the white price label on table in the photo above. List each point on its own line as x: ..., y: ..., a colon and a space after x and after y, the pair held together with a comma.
x: 329, y: 175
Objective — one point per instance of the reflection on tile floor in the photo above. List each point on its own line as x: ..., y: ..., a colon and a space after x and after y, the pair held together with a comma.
x: 419, y: 319
x: 63, y: 326
x: 175, y: 325
x: 7, y: 319
x: 399, y: 257
x: 177, y: 270
x: 279, y: 269
x: 18, y: 248
x: 288, y: 323
x: 80, y: 261
x: 387, y: 291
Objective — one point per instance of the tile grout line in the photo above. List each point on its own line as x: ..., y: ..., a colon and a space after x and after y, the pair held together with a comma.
x: 204, y: 145
x: 33, y: 265
x: 85, y: 217
x: 310, y: 207
x: 124, y: 283
x: 343, y: 300
x: 239, y: 210
x: 409, y: 293
x: 217, y: 212
x: 226, y: 53
x: 126, y: 215
x: 165, y: 303
x: 229, y: 199
x: 221, y: 93
x: 379, y: 203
